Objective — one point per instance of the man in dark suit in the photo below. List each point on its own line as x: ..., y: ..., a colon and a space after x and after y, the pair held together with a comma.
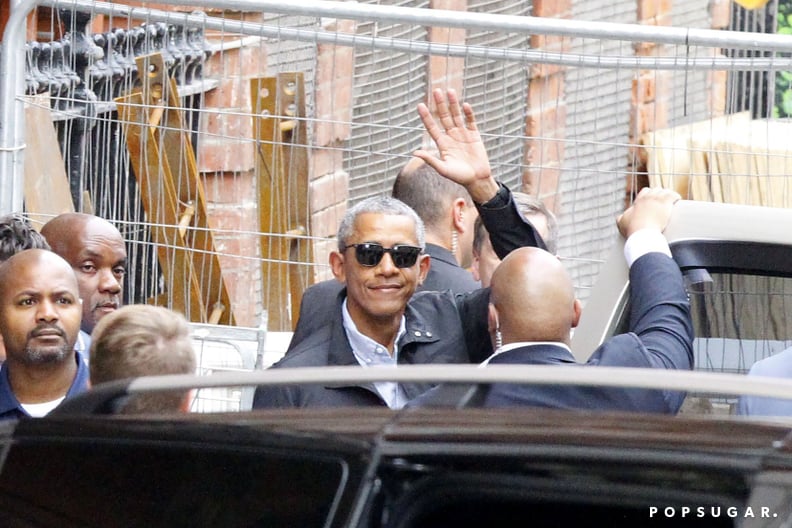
x: 533, y: 310
x: 376, y: 319
x: 449, y: 216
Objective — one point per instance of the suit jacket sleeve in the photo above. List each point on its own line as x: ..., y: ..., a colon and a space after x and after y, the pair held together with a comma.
x: 472, y: 308
x: 660, y: 311
x: 317, y: 305
x: 507, y: 228
x: 661, y: 329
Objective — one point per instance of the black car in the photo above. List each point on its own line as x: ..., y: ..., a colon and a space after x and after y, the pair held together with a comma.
x: 89, y: 465
x: 418, y: 467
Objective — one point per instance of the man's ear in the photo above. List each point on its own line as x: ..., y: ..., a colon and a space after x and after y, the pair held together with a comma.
x: 492, y: 319
x: 337, y: 266
x: 578, y: 309
x: 459, y: 208
x: 474, y: 266
x: 424, y: 264
x: 187, y: 401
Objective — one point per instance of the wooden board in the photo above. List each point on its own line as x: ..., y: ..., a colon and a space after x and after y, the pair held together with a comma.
x: 689, y: 158
x: 46, y: 189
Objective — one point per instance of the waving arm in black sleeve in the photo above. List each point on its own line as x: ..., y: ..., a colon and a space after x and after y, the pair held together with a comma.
x: 463, y: 159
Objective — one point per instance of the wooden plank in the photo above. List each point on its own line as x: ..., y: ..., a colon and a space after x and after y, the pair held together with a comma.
x: 700, y: 174
x: 686, y: 158
x: 291, y: 93
x: 46, y: 190
x: 281, y: 137
x: 773, y: 161
x: 177, y: 149
x: 668, y: 159
x: 159, y: 201
x: 272, y: 197
x: 735, y: 169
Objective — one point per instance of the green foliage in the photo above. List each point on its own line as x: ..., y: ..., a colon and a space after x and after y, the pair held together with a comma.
x: 783, y: 80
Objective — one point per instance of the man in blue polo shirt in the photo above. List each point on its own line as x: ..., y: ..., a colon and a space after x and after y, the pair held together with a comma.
x: 40, y: 315
x: 16, y: 234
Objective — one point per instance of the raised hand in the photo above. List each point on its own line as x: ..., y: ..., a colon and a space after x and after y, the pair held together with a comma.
x: 462, y: 156
x: 650, y: 210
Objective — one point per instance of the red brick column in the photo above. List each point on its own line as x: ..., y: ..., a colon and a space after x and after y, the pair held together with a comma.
x: 546, y: 118
x: 226, y: 164
x: 651, y: 90
x: 720, y: 17
x: 329, y: 185
x: 446, y: 72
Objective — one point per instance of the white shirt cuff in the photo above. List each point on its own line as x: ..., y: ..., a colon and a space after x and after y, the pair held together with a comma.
x: 645, y: 241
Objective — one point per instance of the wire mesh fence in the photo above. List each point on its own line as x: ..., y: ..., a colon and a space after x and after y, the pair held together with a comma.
x: 293, y: 111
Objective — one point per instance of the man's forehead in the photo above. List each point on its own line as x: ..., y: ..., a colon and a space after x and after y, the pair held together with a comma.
x: 385, y: 223
x: 39, y: 279
x: 387, y: 235
x: 99, y: 249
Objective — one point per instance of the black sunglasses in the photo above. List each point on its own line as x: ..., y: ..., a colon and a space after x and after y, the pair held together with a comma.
x: 370, y: 254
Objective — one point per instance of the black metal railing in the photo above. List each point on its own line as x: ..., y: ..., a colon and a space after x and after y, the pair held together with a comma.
x: 83, y: 74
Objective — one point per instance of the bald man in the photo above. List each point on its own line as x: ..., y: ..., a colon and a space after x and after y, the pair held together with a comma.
x: 96, y: 252
x: 533, y: 310
x: 39, y: 320
x: 16, y: 234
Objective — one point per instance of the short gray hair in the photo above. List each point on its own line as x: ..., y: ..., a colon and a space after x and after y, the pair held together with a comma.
x: 384, y: 205
x: 527, y: 205
x: 530, y: 205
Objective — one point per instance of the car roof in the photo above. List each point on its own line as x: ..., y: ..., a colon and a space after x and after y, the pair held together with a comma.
x: 422, y: 430
x: 457, y: 455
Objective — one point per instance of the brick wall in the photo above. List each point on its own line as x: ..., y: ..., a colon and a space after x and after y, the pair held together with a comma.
x: 226, y: 163
x: 650, y: 92
x: 329, y: 183
x: 720, y: 15
x: 546, y: 117
x: 652, y: 89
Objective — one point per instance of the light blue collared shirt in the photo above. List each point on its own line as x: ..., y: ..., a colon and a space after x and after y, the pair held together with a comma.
x: 83, y: 345
x: 369, y: 353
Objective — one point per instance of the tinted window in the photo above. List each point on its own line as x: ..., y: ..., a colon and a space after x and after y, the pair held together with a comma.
x: 739, y: 319
x: 137, y: 484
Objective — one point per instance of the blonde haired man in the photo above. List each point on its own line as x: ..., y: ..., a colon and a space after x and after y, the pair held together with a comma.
x: 143, y: 340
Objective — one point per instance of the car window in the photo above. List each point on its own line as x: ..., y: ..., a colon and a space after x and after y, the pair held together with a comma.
x: 739, y: 319
x: 150, y: 483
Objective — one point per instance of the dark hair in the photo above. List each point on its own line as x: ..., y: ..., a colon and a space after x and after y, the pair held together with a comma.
x: 16, y: 234
x: 427, y: 193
